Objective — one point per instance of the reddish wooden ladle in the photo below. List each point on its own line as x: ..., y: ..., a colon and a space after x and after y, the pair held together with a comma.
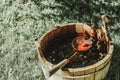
x: 79, y: 44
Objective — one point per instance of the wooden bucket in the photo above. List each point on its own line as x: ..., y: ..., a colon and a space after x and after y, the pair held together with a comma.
x: 96, y: 71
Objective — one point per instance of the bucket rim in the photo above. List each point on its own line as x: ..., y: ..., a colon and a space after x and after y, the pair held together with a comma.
x: 103, y: 61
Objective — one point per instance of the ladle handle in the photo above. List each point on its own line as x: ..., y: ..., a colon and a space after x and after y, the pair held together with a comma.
x: 62, y: 64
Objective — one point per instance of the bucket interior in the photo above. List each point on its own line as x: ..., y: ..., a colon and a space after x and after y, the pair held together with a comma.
x: 57, y: 46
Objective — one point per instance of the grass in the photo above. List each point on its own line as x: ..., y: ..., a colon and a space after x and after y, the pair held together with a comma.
x: 21, y: 21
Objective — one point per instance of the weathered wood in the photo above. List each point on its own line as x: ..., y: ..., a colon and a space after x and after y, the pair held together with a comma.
x: 58, y: 66
x: 68, y: 72
x: 96, y: 71
x: 91, y: 77
x: 78, y: 79
x: 68, y: 79
x: 90, y: 69
x: 62, y: 63
x: 105, y: 70
x: 79, y: 71
x: 98, y: 75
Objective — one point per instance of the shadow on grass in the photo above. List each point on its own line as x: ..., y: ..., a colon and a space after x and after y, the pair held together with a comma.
x: 114, y: 71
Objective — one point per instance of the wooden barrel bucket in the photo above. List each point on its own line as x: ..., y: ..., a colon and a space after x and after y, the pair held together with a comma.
x: 96, y: 71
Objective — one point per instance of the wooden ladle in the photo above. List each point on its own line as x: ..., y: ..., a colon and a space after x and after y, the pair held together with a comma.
x: 79, y: 44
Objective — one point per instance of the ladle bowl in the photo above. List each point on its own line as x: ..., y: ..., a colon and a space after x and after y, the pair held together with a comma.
x: 81, y: 43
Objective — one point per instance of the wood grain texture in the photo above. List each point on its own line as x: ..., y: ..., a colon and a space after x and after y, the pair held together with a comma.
x: 105, y: 70
x: 91, y: 77
x: 79, y: 71
x: 90, y: 69
x: 102, y: 65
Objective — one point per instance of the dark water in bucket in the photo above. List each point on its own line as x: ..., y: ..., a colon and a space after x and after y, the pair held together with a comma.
x: 60, y: 48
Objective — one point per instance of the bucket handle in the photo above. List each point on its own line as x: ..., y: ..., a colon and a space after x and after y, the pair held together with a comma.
x: 105, y: 20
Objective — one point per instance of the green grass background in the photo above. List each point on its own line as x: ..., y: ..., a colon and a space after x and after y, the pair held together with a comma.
x: 21, y: 21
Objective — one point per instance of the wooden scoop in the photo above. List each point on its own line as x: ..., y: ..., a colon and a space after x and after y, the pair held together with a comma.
x: 82, y: 43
